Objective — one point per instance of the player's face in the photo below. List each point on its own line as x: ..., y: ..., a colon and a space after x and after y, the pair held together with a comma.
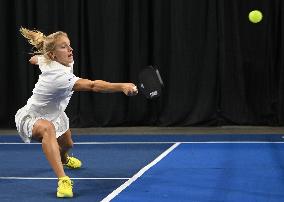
x: 63, y: 53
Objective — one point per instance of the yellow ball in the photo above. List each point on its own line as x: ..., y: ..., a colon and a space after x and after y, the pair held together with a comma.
x: 255, y: 16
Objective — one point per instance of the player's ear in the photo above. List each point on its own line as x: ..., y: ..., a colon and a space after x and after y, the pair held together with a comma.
x: 51, y: 55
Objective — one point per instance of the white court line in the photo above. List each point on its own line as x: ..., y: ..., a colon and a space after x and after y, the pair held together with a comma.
x: 197, y: 142
x: 54, y: 178
x: 139, y: 174
x: 200, y: 142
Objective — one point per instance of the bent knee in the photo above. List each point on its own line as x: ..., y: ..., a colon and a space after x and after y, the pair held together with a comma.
x: 43, y: 128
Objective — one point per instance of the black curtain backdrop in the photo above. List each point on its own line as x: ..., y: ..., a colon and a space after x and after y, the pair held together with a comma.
x: 218, y: 68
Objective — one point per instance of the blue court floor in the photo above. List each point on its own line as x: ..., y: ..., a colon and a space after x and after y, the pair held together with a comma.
x: 151, y: 168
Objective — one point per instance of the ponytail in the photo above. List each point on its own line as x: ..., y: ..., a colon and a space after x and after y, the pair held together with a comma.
x: 42, y: 43
x: 35, y: 38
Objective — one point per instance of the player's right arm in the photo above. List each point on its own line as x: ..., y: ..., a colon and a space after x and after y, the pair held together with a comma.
x: 104, y: 87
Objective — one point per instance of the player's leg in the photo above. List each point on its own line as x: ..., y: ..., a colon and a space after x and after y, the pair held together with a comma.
x: 44, y: 132
x: 65, y: 144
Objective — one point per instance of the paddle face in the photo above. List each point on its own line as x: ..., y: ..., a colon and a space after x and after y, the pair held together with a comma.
x: 150, y: 82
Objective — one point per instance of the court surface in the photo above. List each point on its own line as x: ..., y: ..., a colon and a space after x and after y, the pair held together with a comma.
x: 215, y: 167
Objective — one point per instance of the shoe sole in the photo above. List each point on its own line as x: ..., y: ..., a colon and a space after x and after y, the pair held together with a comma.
x: 59, y: 195
x: 66, y: 166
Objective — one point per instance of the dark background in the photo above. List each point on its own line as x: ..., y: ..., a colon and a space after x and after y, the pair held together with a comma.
x: 218, y: 68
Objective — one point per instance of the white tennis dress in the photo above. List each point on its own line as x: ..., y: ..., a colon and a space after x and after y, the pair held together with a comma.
x: 50, y: 98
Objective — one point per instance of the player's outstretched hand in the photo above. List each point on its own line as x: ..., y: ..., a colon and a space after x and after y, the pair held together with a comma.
x: 129, y: 89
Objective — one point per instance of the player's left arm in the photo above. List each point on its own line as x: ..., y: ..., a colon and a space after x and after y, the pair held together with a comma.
x: 34, y: 60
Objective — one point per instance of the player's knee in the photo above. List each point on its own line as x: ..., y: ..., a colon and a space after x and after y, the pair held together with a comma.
x: 44, y: 129
x: 47, y: 127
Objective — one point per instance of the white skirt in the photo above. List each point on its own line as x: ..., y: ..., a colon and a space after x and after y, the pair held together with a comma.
x: 25, y: 121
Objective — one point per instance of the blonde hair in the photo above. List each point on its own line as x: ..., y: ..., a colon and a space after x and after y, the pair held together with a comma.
x: 42, y: 43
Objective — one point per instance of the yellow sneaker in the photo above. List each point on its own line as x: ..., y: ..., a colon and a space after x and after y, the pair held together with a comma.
x: 65, y: 186
x: 73, y: 163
